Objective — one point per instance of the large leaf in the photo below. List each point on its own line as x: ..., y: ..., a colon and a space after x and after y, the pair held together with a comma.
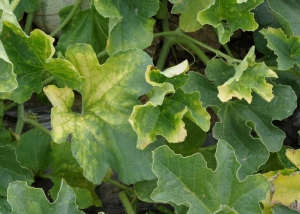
x: 188, y: 10
x: 5, y: 207
x: 86, y: 26
x: 31, y: 57
x: 286, y: 13
x: 27, y: 6
x: 66, y: 167
x: 287, y: 49
x: 228, y: 16
x: 187, y: 180
x: 34, y: 150
x: 130, y: 23
x: 7, y: 14
x: 8, y: 81
x: 25, y: 199
x: 11, y: 170
x: 102, y: 135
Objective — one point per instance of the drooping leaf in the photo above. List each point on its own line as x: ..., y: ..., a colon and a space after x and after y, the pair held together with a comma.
x: 248, y: 76
x: 287, y: 49
x: 165, y: 117
x: 188, y: 10
x: 25, y: 199
x: 187, y: 180
x: 11, y: 170
x: 66, y: 167
x: 31, y: 57
x: 34, y: 151
x: 86, y: 26
x: 227, y: 16
x: 130, y: 23
x: 102, y: 135
x: 286, y: 13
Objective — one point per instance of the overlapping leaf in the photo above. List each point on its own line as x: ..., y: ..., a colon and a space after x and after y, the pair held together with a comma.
x: 238, y: 119
x: 227, y: 16
x: 28, y: 6
x: 11, y: 170
x: 188, y: 181
x: 248, y: 76
x: 102, y: 135
x: 188, y: 10
x: 86, y: 26
x: 25, y: 199
x: 130, y: 23
x: 287, y: 14
x: 5, y: 207
x: 165, y: 117
x: 287, y: 49
x: 31, y: 57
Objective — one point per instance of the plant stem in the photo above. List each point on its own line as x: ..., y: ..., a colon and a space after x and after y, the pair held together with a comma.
x: 10, y: 106
x: 48, y: 80
x: 122, y: 186
x: 126, y: 203
x: 20, y: 121
x: 14, y: 4
x: 67, y: 19
x: 28, y: 24
x: 194, y: 48
x: 101, y: 54
x: 37, y: 125
x: 181, y: 34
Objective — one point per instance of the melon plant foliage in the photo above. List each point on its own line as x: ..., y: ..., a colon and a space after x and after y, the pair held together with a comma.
x: 199, y: 134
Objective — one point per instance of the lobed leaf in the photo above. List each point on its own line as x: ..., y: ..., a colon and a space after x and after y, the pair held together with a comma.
x: 227, y: 16
x: 31, y: 57
x: 101, y: 134
x: 287, y: 49
x: 130, y: 23
x: 187, y: 181
x: 25, y: 199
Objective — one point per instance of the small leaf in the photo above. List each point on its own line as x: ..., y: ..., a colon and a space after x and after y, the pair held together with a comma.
x: 11, y: 170
x: 25, y: 199
x: 130, y: 25
x: 287, y: 49
x: 188, y: 181
x: 230, y: 16
x: 294, y: 156
x: 31, y: 56
x: 188, y: 10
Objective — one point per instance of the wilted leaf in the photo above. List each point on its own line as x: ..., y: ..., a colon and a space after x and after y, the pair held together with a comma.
x: 188, y: 181
x: 31, y: 57
x: 11, y: 170
x: 102, y: 135
x: 130, y: 23
x: 227, y: 16
x: 25, y: 199
x: 188, y: 10
x: 287, y: 49
x: 294, y: 156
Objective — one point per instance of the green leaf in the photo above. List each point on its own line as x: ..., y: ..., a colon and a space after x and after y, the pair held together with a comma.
x: 204, y: 190
x: 7, y: 14
x: 279, y: 209
x: 248, y: 76
x: 228, y: 16
x: 130, y: 23
x: 287, y: 49
x: 28, y: 6
x: 67, y: 168
x: 5, y: 207
x: 8, y: 81
x: 286, y: 13
x: 4, y: 134
x: 238, y: 119
x: 11, y: 170
x: 85, y: 27
x: 105, y: 137
x: 25, y: 199
x: 188, y: 10
x: 31, y: 56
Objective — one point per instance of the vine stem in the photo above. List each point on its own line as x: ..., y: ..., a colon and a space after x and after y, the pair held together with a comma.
x: 181, y: 34
x: 37, y: 125
x: 122, y: 186
x: 20, y: 121
x: 69, y: 17
x: 14, y: 4
x: 126, y: 203
x: 102, y: 54
x: 28, y: 24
